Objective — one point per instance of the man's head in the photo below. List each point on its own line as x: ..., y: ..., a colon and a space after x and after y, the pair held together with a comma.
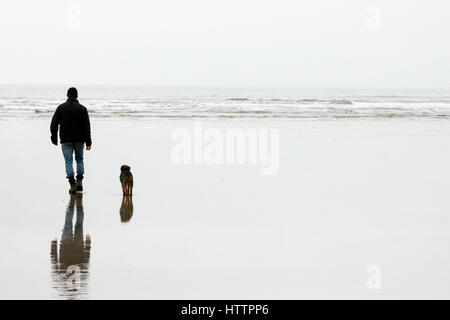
x: 72, y: 93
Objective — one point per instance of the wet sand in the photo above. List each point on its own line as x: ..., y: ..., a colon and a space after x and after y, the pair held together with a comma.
x: 348, y: 195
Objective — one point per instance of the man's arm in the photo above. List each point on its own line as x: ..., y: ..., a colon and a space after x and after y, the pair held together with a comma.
x: 54, y: 127
x: 87, y: 130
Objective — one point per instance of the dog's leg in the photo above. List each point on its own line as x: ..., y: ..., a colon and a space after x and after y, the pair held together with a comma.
x: 123, y: 189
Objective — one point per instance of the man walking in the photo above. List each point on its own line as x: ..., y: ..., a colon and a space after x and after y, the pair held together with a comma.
x: 74, y: 131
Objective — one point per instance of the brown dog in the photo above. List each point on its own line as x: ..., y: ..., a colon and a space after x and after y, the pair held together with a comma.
x: 126, y: 178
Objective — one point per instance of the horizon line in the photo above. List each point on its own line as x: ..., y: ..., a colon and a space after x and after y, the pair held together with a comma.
x: 281, y: 86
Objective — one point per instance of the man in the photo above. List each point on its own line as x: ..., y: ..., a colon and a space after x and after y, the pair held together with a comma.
x: 74, y: 131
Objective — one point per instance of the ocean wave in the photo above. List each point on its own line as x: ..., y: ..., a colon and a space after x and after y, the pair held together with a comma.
x: 303, y: 113
x: 238, y: 99
x: 244, y: 107
x: 340, y: 102
x: 308, y: 101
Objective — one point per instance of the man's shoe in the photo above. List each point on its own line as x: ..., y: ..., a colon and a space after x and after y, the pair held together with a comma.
x: 73, y: 186
x: 79, y: 182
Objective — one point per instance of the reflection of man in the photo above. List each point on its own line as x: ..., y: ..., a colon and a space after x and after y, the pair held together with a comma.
x: 70, y: 266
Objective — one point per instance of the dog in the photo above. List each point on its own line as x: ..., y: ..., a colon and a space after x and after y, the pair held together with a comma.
x: 126, y: 179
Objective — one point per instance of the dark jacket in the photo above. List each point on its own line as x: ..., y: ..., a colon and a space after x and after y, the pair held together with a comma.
x: 73, y: 121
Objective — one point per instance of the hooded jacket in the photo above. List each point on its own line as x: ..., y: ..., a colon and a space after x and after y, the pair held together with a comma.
x: 73, y: 121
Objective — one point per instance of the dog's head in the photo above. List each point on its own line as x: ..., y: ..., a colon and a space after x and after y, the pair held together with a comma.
x: 125, y: 168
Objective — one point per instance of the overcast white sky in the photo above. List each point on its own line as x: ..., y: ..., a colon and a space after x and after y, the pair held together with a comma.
x: 227, y: 42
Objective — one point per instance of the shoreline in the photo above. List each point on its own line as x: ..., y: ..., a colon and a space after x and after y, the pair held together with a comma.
x: 226, y: 118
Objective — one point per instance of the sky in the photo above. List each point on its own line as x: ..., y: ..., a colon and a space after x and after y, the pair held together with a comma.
x: 232, y: 42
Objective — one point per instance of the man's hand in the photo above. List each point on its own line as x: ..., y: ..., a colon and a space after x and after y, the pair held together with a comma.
x: 88, y: 148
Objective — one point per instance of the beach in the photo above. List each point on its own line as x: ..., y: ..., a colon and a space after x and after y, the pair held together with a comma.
x: 352, y: 201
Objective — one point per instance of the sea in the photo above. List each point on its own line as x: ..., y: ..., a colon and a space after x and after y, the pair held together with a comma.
x: 40, y: 101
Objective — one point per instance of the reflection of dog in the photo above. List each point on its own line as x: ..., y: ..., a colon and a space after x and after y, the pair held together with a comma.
x: 126, y: 178
x: 126, y: 210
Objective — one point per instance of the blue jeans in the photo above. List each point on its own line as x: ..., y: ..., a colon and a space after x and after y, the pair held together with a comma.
x: 68, y: 149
